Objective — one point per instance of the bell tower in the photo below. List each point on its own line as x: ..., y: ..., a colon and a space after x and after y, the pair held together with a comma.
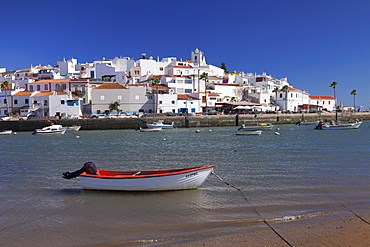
x: 197, y: 58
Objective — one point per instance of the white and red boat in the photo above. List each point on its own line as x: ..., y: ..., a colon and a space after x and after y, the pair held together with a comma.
x: 156, y: 180
x: 6, y: 132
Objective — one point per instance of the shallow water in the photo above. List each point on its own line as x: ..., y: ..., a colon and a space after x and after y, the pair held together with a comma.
x: 301, y: 173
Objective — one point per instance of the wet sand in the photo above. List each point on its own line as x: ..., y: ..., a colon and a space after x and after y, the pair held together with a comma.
x: 343, y: 229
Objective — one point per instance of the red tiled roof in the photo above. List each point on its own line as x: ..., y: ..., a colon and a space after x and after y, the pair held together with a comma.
x: 185, y: 96
x: 51, y: 81
x: 110, y: 85
x: 22, y: 93
x: 43, y: 94
x: 321, y: 97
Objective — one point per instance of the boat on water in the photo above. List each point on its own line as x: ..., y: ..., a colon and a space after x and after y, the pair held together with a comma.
x: 54, y: 129
x: 155, y: 180
x: 6, y: 132
x: 307, y: 123
x: 160, y: 123
x: 73, y: 128
x: 158, y: 129
x: 338, y: 126
x: 260, y: 126
x: 243, y: 132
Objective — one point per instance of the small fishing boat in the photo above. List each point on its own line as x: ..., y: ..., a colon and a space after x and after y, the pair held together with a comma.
x: 243, y: 132
x: 160, y: 123
x: 338, y: 126
x: 54, y: 129
x: 6, y: 132
x: 260, y: 126
x: 306, y: 122
x: 158, y: 129
x: 156, y: 180
x: 73, y: 128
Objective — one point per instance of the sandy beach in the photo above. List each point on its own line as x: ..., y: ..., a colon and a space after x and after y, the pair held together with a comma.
x: 342, y: 229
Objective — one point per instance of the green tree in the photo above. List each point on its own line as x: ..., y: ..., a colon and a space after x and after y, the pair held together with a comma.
x: 114, y: 106
x: 275, y: 90
x: 5, y: 86
x: 354, y: 93
x: 223, y: 66
x: 204, y: 77
x: 286, y: 90
x: 155, y: 83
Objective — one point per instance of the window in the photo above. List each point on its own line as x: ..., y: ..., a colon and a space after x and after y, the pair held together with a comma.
x: 4, y: 101
x: 137, y: 97
x: 46, y: 88
x: 119, y: 97
x: 102, y: 97
x: 62, y: 102
x: 31, y: 88
x: 38, y: 87
x: 161, y: 68
x: 137, y: 72
x: 64, y: 86
x: 15, y: 102
x: 160, y: 102
x: 45, y: 103
x: 172, y: 102
x: 281, y: 95
x: 26, y: 101
x: 188, y: 91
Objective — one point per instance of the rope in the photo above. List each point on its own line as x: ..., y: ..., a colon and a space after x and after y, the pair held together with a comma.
x: 255, y: 210
x: 356, y: 215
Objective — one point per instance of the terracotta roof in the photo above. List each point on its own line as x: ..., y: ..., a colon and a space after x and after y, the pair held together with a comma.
x: 182, y: 66
x: 21, y: 93
x: 51, y: 81
x: 185, y: 96
x: 43, y: 94
x: 160, y: 86
x: 321, y: 97
x: 110, y: 85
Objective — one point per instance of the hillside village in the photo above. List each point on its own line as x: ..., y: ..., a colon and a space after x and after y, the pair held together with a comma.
x: 147, y: 85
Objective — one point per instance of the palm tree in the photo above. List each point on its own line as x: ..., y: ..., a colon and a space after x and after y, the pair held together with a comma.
x: 276, y: 90
x: 286, y: 90
x: 114, y: 107
x: 155, y: 83
x: 204, y: 77
x: 334, y: 86
x: 354, y: 93
x: 5, y: 86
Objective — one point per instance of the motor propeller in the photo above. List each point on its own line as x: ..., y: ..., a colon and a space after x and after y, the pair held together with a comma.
x: 88, y: 167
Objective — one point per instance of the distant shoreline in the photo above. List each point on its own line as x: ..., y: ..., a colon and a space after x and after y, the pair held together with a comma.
x: 182, y: 121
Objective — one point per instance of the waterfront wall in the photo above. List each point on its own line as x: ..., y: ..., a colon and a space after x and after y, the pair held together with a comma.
x: 181, y: 121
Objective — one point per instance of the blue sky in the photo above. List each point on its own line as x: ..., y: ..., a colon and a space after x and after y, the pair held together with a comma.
x: 312, y: 42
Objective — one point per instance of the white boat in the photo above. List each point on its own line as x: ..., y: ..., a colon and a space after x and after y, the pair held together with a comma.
x: 158, y: 129
x: 6, y: 132
x: 54, y: 129
x: 73, y: 128
x: 157, y: 180
x: 243, y: 132
x: 161, y: 124
x: 260, y: 126
x: 338, y: 126
x: 307, y: 123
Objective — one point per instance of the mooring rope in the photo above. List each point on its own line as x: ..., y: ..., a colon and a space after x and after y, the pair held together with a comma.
x: 358, y: 216
x: 255, y: 210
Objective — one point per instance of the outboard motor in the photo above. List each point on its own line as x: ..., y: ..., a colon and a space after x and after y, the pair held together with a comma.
x: 88, y: 167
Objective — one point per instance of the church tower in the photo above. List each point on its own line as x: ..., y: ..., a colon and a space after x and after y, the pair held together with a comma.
x: 197, y: 58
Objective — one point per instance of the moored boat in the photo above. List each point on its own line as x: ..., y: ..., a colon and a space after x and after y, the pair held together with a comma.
x: 73, y: 128
x: 160, y: 123
x: 260, y: 126
x: 158, y: 129
x: 243, y: 132
x: 6, y: 132
x: 306, y: 122
x: 338, y: 126
x: 54, y: 129
x: 155, y: 180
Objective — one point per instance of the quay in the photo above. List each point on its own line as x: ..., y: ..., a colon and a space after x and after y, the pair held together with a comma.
x: 181, y: 121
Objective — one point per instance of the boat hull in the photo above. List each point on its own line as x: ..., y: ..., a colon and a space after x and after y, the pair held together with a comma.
x: 157, y: 129
x: 6, y: 132
x: 165, y: 180
x: 242, y: 132
x: 339, y: 126
x: 256, y: 127
x: 160, y: 124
